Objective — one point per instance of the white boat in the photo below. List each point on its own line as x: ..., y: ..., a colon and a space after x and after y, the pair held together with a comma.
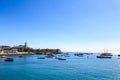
x: 61, y: 58
x: 3, y: 56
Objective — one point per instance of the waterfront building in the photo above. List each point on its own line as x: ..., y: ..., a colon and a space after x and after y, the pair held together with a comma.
x: 4, y: 47
x: 20, y: 48
x: 14, y: 49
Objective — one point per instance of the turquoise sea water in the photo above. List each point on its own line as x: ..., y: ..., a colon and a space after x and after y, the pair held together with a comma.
x: 74, y: 68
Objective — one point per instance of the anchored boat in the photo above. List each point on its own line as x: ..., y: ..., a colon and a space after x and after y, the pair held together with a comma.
x: 61, y: 58
x: 3, y: 56
x: 9, y: 59
x: 105, y: 55
x: 41, y: 57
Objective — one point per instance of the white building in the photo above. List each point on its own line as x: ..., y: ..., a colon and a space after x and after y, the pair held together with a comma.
x: 10, y: 51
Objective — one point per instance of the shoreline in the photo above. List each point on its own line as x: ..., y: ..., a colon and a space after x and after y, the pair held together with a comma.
x: 15, y: 54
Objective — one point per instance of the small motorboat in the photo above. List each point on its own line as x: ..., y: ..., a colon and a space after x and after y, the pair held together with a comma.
x: 79, y: 54
x: 3, y: 56
x: 38, y: 53
x: 41, y: 58
x: 118, y: 54
x: 9, y: 59
x: 49, y: 56
x: 61, y: 58
x: 20, y: 56
x: 67, y: 56
x: 104, y: 56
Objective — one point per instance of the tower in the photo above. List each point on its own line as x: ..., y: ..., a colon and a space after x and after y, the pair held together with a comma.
x: 25, y: 45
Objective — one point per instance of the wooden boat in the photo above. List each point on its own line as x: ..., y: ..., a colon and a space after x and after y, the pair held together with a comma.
x: 9, y: 59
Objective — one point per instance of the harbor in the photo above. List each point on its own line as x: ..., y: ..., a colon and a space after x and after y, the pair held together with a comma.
x: 73, y: 68
x: 61, y: 56
x: 59, y: 39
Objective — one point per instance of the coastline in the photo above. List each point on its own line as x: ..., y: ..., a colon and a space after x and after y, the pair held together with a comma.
x: 18, y: 53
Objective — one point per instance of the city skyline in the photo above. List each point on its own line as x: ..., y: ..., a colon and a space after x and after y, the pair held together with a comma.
x: 71, y: 25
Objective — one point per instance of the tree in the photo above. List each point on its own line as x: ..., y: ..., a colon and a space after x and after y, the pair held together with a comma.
x: 29, y: 50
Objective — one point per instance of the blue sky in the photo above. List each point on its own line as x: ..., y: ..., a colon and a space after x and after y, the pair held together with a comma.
x: 71, y: 25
